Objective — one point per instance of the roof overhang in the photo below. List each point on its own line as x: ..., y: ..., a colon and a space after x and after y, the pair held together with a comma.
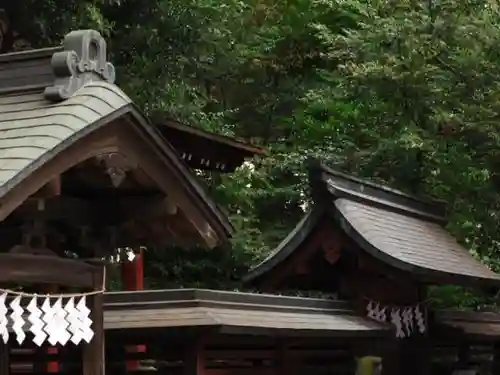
x: 397, y: 229
x: 63, y: 114
x: 236, y: 313
x: 295, y: 240
x: 204, y: 150
x: 472, y: 325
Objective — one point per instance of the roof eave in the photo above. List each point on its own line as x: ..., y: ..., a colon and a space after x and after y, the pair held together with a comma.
x: 424, y: 274
x: 287, y: 247
x: 217, y: 218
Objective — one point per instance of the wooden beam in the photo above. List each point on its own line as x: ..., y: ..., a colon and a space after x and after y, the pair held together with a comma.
x: 99, y: 142
x: 147, y: 207
x: 93, y: 353
x: 154, y: 165
x: 50, y: 189
x: 111, y: 211
x: 74, y: 210
x: 40, y: 269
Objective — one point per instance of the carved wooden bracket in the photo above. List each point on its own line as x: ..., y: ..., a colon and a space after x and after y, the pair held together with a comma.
x: 83, y: 60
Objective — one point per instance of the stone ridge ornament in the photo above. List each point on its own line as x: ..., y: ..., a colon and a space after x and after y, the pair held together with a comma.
x: 56, y: 323
x: 406, y: 320
x: 82, y: 61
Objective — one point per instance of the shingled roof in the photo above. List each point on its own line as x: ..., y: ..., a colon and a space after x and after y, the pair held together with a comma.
x: 204, y: 150
x: 479, y: 324
x: 51, y: 99
x: 234, y: 312
x: 398, y: 229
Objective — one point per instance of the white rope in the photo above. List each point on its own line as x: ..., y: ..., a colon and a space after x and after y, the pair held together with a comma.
x: 59, y: 295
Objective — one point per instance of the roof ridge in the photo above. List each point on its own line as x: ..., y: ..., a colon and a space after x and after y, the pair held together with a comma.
x: 84, y: 59
x: 342, y: 185
x: 58, y: 71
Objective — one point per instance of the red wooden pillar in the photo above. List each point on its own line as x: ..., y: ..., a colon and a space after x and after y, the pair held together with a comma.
x: 52, y: 366
x: 133, y: 279
x: 194, y: 358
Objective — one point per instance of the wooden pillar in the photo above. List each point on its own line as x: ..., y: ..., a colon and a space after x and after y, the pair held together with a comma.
x: 495, y: 368
x: 133, y: 272
x: 284, y: 363
x: 194, y: 358
x: 93, y: 353
x: 133, y: 279
x: 52, y: 366
x: 4, y: 359
x: 390, y: 358
x: 409, y: 356
x: 463, y: 355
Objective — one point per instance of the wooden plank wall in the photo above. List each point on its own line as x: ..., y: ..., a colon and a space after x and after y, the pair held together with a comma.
x: 449, y: 356
x: 233, y: 360
x: 30, y: 359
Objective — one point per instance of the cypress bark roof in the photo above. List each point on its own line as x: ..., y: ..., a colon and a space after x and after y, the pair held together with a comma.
x: 53, y: 98
x: 232, y: 312
x: 398, y: 229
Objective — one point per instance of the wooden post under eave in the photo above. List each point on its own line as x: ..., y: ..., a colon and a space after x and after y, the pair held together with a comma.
x: 133, y: 279
x: 194, y: 357
x: 52, y: 366
x: 495, y: 368
x: 4, y: 359
x: 93, y: 353
x: 284, y: 362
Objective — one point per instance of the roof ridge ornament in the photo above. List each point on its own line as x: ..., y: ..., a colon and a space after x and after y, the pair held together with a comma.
x: 83, y: 60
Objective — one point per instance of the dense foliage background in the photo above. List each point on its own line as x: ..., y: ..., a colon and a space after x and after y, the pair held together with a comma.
x: 405, y: 92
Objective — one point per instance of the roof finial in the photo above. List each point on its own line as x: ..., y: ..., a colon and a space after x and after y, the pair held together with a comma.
x: 83, y: 60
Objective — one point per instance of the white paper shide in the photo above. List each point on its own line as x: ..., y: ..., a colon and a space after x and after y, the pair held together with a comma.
x: 50, y: 320
x: 406, y: 320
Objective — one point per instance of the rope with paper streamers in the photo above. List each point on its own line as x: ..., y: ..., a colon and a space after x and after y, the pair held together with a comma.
x: 61, y: 295
x: 407, y: 320
x: 67, y: 319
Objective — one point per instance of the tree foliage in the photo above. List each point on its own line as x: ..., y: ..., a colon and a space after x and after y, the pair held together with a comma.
x: 404, y: 92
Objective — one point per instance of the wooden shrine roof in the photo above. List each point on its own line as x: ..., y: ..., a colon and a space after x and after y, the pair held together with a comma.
x: 288, y: 246
x: 204, y: 150
x: 233, y: 312
x: 474, y: 324
x: 54, y: 99
x: 398, y: 229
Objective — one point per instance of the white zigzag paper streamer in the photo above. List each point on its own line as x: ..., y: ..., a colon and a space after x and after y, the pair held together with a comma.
x: 37, y: 323
x: 85, y: 321
x: 396, y: 320
x: 17, y: 319
x: 55, y: 323
x: 4, y: 330
x: 49, y: 320
x: 419, y: 317
x: 73, y: 320
x: 60, y: 314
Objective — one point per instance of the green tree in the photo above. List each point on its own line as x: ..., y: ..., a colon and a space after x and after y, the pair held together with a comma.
x: 401, y: 92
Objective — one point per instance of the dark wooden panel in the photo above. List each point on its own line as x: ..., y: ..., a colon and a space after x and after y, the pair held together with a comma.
x: 27, y: 69
x: 39, y: 269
